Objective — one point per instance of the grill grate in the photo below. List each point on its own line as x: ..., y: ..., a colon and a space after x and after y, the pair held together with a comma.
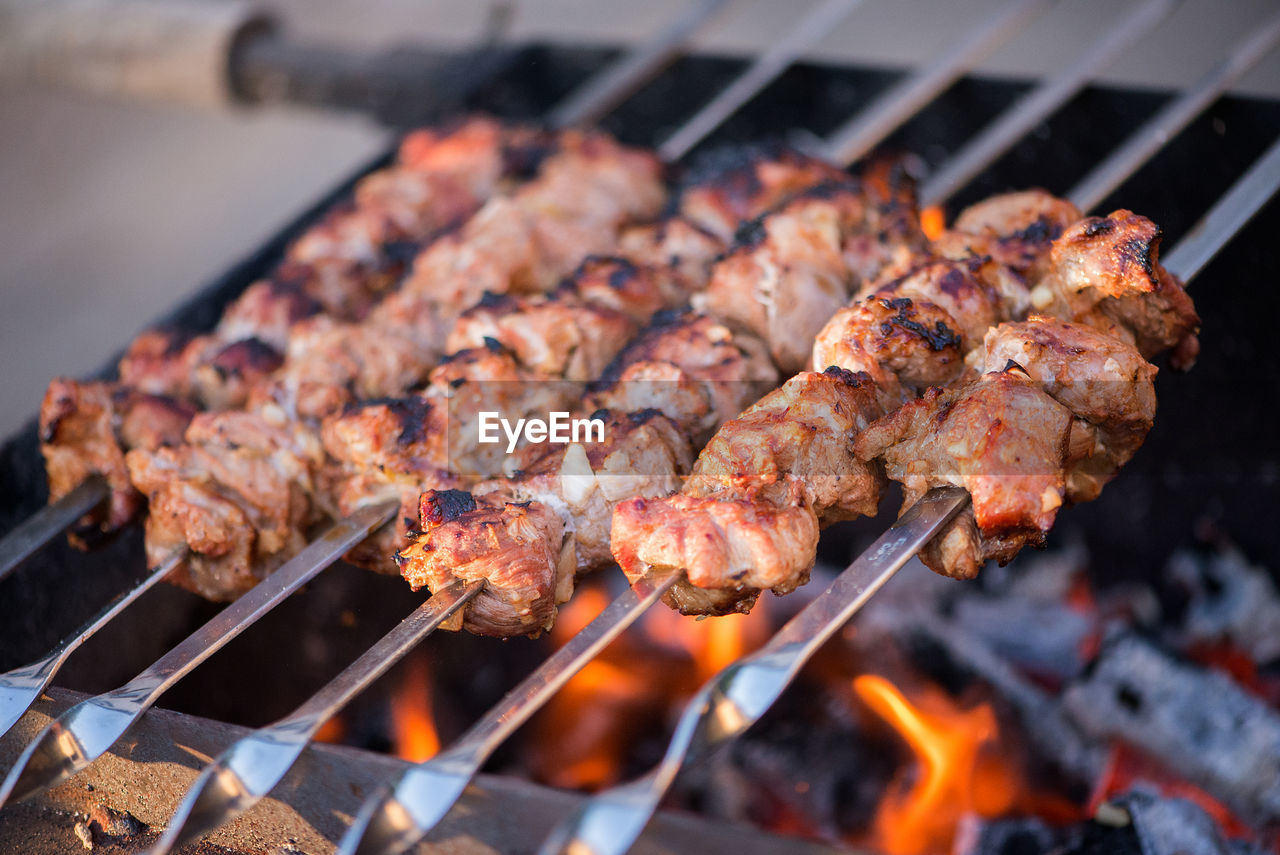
x: 1196, y: 464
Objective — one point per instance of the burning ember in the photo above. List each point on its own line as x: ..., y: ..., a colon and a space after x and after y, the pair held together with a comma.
x: 960, y: 770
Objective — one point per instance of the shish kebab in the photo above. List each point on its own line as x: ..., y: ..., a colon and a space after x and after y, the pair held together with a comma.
x: 903, y: 335
x: 39, y: 761
x: 738, y: 696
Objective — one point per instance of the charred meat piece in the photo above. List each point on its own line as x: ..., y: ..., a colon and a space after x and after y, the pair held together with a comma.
x: 1107, y: 273
x: 1014, y: 229
x: 1103, y: 381
x: 237, y: 493
x: 690, y: 366
x: 386, y: 449
x: 678, y: 244
x: 519, y: 549
x: 529, y: 534
x: 724, y: 187
x: 905, y: 345
x: 787, y: 462
x: 793, y: 267
x: 1002, y: 438
x: 84, y: 429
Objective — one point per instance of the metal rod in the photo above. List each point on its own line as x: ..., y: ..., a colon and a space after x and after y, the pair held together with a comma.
x: 399, y: 816
x: 607, y: 89
x: 1091, y: 190
x: 1018, y: 120
x: 249, y: 769
x: 816, y: 24
x: 45, y: 524
x: 83, y: 733
x: 20, y: 687
x: 733, y: 700
x: 1236, y: 207
x: 903, y: 100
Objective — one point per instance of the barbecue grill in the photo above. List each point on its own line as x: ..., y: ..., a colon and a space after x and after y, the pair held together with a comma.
x: 1208, y: 459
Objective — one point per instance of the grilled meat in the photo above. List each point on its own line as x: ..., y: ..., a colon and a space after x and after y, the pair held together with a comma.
x: 527, y: 535
x: 83, y: 428
x: 787, y: 462
x: 237, y: 493
x: 792, y: 268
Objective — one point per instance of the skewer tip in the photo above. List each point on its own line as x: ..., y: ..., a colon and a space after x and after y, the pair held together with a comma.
x: 384, y: 826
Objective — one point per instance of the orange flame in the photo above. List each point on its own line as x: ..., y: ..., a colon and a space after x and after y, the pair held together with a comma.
x: 958, y: 775
x: 933, y: 222
x: 413, y: 725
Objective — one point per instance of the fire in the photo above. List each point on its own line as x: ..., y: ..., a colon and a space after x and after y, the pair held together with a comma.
x: 958, y: 773
x: 586, y: 731
x: 413, y: 725
x: 933, y: 222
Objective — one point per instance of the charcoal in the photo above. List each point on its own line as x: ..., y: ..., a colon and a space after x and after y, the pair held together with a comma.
x: 1029, y: 836
x: 1197, y: 721
x: 1170, y: 826
x: 1228, y: 599
x: 953, y: 656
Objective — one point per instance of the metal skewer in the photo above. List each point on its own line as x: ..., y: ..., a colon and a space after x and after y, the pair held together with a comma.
x: 900, y: 102
x: 45, y: 524
x: 1028, y: 111
x: 83, y: 733
x: 736, y: 697
x: 249, y: 769
x: 400, y: 814
x: 816, y: 23
x: 1091, y: 190
x: 609, y: 88
x: 20, y: 687
x: 610, y: 822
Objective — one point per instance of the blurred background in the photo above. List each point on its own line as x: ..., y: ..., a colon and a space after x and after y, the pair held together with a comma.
x: 113, y: 210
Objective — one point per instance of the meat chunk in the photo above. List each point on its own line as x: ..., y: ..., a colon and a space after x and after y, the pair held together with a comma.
x: 726, y: 186
x: 1106, y: 273
x: 1002, y: 438
x: 678, y: 244
x: 520, y: 551
x: 1103, y: 381
x: 557, y: 334
x: 730, y: 549
x: 1014, y: 229
x: 237, y: 493
x: 386, y: 449
x: 790, y: 270
x: 905, y: 345
x: 86, y: 428
x: 766, y: 481
x: 693, y: 368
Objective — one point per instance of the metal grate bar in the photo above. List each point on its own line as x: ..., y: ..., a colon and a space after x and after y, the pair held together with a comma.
x: 1017, y: 121
x: 1091, y: 190
x: 903, y: 100
x: 609, y: 88
x: 811, y: 28
x: 1236, y: 207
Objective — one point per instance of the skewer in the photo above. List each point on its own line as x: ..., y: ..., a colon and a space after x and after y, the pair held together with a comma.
x: 394, y: 819
x: 249, y: 769
x: 400, y: 814
x: 45, y: 524
x: 890, y: 110
x: 610, y: 822
x: 1091, y: 190
x: 609, y: 88
x: 1037, y: 105
x: 816, y: 23
x: 20, y: 687
x: 83, y: 733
